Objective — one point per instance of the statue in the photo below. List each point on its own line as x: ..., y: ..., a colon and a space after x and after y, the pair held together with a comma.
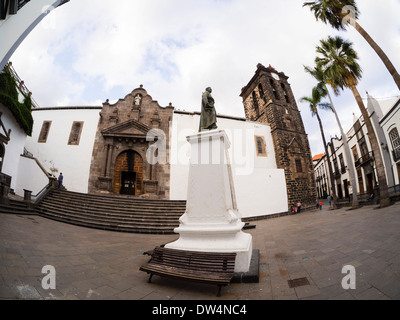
x: 208, y: 117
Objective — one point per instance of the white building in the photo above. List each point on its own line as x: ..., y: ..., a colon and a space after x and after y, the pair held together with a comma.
x: 385, y: 117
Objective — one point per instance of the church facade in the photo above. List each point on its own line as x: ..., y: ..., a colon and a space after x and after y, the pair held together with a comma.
x: 125, y: 132
x: 135, y: 147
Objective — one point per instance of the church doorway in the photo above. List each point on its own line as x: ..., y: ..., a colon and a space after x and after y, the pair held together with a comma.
x: 128, y: 173
x: 128, y: 180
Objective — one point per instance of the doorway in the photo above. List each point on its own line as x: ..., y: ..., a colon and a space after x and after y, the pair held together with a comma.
x: 128, y: 180
x: 128, y: 173
x: 370, y: 184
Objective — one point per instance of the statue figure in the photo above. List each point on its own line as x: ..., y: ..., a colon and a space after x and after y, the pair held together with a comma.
x: 208, y: 117
x: 138, y: 99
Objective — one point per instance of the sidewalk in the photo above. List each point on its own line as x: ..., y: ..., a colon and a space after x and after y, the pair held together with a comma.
x: 311, y: 248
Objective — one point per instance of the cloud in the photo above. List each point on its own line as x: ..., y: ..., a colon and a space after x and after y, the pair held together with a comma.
x: 91, y: 51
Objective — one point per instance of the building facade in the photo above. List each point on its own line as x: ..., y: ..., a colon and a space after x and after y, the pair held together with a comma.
x: 135, y: 147
x: 121, y: 159
x: 385, y: 117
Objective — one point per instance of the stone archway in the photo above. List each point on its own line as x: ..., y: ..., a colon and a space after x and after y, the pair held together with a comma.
x: 128, y: 173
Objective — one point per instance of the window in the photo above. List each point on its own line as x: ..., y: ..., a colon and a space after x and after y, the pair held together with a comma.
x: 395, y: 139
x: 271, y: 81
x: 261, y: 90
x: 355, y: 153
x: 289, y: 123
x: 299, y: 167
x: 75, y: 134
x: 261, y: 147
x: 2, y: 151
x: 44, y: 132
x: 255, y: 104
x: 285, y: 93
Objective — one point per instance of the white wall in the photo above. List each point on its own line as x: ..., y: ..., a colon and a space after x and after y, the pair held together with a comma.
x: 260, y: 186
x: 72, y: 160
x: 14, y: 148
x: 30, y: 177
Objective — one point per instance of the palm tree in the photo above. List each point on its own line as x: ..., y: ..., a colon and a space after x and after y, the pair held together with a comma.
x: 339, y: 63
x: 318, y: 74
x: 314, y: 101
x: 339, y: 14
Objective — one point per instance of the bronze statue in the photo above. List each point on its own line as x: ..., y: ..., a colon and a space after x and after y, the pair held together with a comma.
x: 208, y: 117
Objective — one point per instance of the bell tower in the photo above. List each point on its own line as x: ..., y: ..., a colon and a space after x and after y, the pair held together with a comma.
x: 268, y: 98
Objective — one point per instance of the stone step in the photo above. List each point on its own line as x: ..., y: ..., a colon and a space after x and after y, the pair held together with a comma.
x: 95, y: 198
x: 104, y: 214
x: 113, y: 213
x: 114, y: 208
x: 75, y: 220
x: 16, y: 207
x: 16, y: 210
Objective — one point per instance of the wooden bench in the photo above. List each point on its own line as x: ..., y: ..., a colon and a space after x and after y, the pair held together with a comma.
x: 206, y: 267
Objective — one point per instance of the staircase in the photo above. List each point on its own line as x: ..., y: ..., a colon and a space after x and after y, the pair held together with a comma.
x: 16, y: 207
x: 114, y: 213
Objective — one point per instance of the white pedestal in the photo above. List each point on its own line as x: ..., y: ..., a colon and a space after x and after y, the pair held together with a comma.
x: 212, y: 222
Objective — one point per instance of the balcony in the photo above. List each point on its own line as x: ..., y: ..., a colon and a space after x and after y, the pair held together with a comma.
x: 366, y: 158
x: 396, y: 154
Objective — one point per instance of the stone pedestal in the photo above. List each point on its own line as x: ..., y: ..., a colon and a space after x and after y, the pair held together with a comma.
x: 212, y: 222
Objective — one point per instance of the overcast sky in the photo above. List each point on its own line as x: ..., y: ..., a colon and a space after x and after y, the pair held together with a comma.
x: 88, y: 51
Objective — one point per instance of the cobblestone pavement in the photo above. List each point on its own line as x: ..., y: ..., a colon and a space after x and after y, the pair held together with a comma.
x: 94, y: 264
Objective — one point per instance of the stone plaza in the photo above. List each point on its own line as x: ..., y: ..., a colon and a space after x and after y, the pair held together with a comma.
x: 301, y: 258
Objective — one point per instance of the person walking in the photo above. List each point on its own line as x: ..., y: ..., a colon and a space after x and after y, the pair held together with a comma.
x: 60, y: 181
x: 330, y: 201
x: 298, y: 207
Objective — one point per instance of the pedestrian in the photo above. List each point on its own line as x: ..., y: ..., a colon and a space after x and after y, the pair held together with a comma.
x: 317, y: 203
x: 60, y: 181
x: 298, y: 206
x: 320, y: 205
x: 329, y: 201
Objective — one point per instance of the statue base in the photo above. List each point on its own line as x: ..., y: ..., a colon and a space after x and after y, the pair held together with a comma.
x: 212, y: 222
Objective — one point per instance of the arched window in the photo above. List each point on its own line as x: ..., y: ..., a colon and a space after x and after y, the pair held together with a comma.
x: 285, y: 93
x: 44, y: 132
x: 255, y: 104
x: 75, y: 134
x: 271, y: 81
x: 261, y: 90
x: 395, y: 139
x: 260, y: 146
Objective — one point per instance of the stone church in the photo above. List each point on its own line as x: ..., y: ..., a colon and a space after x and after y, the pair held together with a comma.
x: 119, y: 154
x: 110, y: 149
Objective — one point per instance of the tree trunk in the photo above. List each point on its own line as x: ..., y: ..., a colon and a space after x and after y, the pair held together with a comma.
x: 389, y: 65
x: 347, y: 153
x: 380, y: 169
x: 332, y: 178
